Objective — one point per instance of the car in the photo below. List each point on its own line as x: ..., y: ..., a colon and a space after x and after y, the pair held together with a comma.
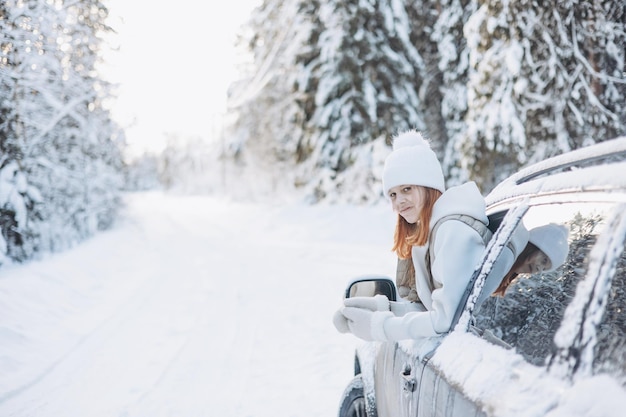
x: 554, y: 345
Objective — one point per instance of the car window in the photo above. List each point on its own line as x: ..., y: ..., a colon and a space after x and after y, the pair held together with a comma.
x: 530, y: 312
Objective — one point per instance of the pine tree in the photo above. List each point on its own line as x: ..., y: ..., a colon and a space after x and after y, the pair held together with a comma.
x: 60, y: 163
x: 587, y: 40
x: 453, y: 64
x: 92, y: 134
x: 367, y: 82
x: 544, y: 79
x: 264, y: 120
x: 20, y: 43
x: 495, y: 126
x: 494, y: 84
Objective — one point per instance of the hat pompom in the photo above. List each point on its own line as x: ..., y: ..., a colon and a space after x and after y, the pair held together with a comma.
x: 409, y: 138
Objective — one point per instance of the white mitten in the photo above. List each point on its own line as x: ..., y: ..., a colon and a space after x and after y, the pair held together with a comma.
x: 377, y: 303
x: 340, y: 322
x: 366, y: 324
x: 399, y: 308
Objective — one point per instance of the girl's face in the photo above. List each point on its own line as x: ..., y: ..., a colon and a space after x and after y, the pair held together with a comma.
x: 535, y: 264
x: 406, y: 200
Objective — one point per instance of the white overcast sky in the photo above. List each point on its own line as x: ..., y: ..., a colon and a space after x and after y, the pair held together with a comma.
x: 174, y: 65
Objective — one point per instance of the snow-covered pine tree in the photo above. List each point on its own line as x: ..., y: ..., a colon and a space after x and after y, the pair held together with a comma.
x: 575, y: 66
x: 58, y: 137
x: 495, y: 134
x: 453, y: 63
x: 329, y: 84
x: 94, y: 139
x: 545, y: 78
x: 20, y: 43
x: 263, y: 123
x: 8, y: 145
x: 494, y: 84
x: 364, y: 85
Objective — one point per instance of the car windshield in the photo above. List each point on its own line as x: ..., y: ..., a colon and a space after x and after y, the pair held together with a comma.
x: 530, y: 312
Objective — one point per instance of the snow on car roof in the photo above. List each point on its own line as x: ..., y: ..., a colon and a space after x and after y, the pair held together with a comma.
x: 568, y: 172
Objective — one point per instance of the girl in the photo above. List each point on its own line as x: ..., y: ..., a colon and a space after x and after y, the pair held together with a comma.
x: 414, y: 183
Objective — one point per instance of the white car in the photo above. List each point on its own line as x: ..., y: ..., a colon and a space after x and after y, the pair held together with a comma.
x: 555, y: 344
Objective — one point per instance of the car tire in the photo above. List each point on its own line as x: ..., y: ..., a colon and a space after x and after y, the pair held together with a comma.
x: 353, y: 401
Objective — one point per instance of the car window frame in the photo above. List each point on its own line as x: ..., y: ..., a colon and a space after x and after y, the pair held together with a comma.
x: 464, y: 314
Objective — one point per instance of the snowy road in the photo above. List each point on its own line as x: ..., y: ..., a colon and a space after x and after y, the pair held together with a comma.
x: 191, y: 306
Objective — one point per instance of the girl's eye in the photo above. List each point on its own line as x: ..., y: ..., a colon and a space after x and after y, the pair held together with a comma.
x: 407, y: 189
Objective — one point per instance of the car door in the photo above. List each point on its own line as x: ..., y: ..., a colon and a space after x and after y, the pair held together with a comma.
x: 432, y: 394
x: 406, y: 385
x: 399, y: 368
x: 569, y: 320
x: 527, y: 318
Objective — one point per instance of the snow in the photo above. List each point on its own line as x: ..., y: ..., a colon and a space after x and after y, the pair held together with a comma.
x: 201, y: 306
x: 532, y: 182
x: 190, y: 306
x: 508, y: 386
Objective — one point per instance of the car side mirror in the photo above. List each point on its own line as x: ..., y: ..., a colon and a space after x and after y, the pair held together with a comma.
x: 371, y: 286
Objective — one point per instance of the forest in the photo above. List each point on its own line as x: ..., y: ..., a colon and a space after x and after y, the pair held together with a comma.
x: 495, y: 85
x: 60, y: 151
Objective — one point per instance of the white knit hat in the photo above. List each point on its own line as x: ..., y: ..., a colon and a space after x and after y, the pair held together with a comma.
x: 551, y: 239
x: 412, y: 162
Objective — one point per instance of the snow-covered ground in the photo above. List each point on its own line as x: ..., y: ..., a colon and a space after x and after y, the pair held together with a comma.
x: 190, y: 306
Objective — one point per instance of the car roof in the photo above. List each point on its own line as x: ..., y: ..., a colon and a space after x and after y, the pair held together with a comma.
x: 596, y: 168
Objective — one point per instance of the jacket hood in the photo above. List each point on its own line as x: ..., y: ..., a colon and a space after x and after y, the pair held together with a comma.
x: 462, y: 199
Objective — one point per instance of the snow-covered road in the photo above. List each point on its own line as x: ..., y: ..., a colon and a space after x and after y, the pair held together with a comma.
x: 191, y: 306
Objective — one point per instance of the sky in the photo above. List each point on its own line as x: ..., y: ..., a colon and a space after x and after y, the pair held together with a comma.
x: 173, y: 63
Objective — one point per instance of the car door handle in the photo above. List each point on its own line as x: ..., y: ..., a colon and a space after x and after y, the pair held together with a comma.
x: 409, y: 384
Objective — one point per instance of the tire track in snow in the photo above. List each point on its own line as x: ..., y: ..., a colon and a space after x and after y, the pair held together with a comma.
x: 77, y: 357
x: 234, y: 318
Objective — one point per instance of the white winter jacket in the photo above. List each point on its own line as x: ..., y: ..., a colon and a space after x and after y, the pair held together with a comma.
x: 458, y: 249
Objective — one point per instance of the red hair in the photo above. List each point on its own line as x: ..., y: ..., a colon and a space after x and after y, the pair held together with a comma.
x: 408, y: 235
